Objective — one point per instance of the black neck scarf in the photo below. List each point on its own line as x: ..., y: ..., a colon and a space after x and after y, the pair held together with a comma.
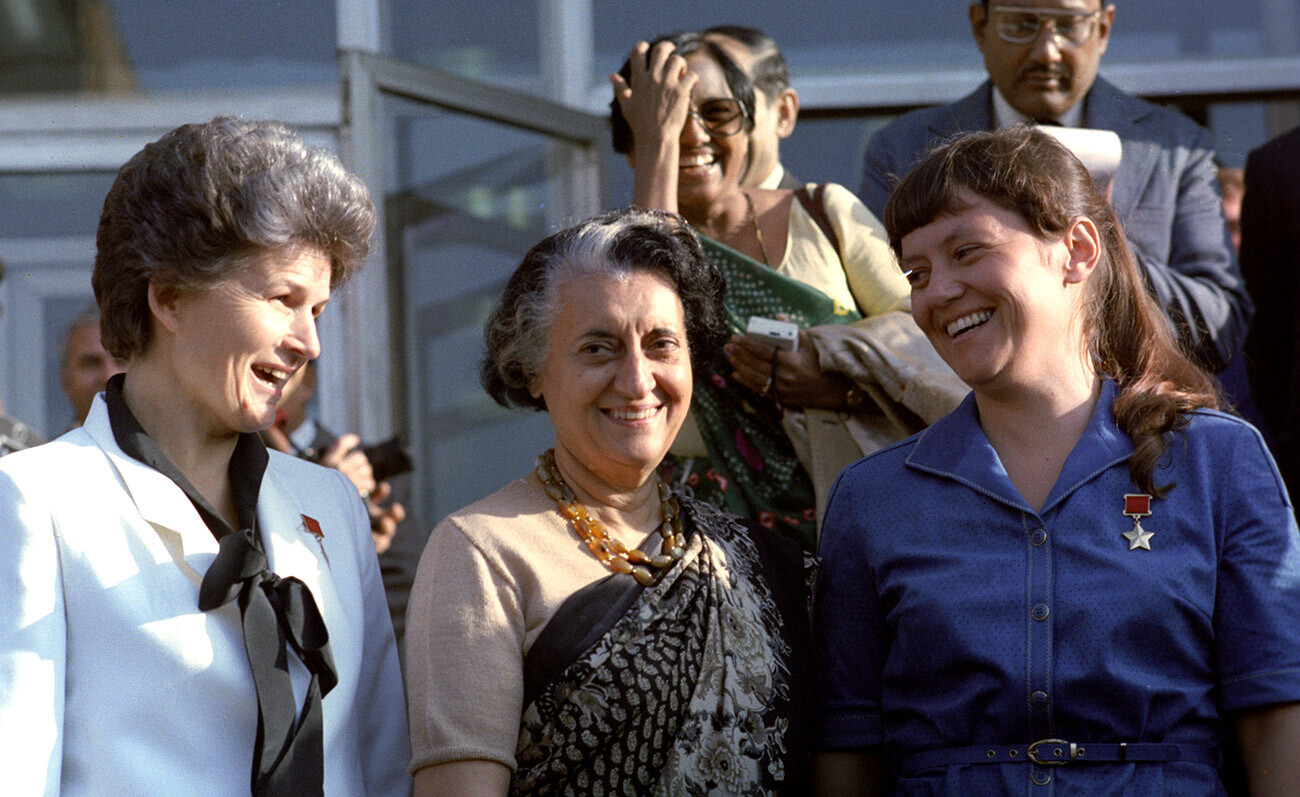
x: 277, y: 613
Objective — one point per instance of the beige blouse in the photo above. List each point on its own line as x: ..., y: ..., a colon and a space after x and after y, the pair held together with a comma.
x: 492, y: 575
x: 868, y: 276
x: 869, y: 279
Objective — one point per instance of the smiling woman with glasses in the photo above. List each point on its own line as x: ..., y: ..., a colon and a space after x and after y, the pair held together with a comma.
x: 815, y: 256
x: 721, y: 118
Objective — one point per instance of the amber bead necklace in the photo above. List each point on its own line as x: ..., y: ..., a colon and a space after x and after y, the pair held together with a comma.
x: 613, y: 554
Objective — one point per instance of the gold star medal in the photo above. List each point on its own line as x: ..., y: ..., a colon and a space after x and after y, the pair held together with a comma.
x: 1137, y: 506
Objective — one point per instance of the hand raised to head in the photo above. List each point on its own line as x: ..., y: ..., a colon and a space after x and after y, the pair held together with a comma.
x: 656, y: 98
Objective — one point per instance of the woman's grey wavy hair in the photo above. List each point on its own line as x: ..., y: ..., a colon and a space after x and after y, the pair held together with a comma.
x: 207, y: 201
x: 618, y: 244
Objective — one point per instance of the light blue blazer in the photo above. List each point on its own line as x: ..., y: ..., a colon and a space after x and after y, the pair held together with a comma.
x: 111, y: 679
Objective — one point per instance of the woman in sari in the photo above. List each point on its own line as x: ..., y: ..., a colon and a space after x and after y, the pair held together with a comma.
x: 682, y: 113
x: 584, y: 630
x: 1083, y: 577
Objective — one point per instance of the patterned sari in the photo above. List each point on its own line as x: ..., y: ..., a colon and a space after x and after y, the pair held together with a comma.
x: 752, y: 469
x: 695, y: 685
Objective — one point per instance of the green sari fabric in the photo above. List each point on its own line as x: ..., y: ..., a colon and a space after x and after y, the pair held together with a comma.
x: 752, y: 470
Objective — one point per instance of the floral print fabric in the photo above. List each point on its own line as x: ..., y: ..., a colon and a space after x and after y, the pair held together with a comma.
x: 752, y: 469
x: 690, y: 692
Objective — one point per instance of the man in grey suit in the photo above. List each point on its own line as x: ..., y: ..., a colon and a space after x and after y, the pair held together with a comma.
x: 1042, y: 58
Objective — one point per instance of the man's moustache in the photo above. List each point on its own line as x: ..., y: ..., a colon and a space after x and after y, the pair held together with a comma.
x: 1060, y: 74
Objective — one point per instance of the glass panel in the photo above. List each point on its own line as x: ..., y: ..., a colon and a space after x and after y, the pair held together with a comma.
x: 1238, y: 127
x: 49, y: 205
x: 464, y: 201
x: 895, y: 35
x: 47, y: 237
x: 46, y: 285
x: 829, y: 148
x: 145, y: 45
x: 494, y: 41
x: 56, y: 315
x: 905, y: 36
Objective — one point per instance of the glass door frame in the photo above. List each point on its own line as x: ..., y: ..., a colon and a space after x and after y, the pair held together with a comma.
x: 374, y: 373
x: 54, y: 135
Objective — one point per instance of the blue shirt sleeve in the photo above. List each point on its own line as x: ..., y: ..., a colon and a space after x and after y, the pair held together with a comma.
x: 1258, y: 601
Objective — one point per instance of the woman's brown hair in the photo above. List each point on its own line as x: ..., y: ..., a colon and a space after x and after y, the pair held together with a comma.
x: 1128, y: 337
x: 205, y: 202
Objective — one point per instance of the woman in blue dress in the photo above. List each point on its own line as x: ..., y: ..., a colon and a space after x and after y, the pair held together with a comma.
x: 1085, y: 576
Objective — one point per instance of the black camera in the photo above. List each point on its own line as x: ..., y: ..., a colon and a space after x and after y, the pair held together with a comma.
x: 388, y: 459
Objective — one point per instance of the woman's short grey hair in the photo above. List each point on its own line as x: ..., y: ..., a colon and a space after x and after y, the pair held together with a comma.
x: 205, y: 202
x: 619, y: 244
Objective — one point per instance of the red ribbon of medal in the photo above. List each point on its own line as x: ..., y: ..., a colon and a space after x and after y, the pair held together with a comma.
x: 1137, y: 506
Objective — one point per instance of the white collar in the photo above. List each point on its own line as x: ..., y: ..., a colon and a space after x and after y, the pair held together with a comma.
x: 1006, y: 116
x: 774, y: 177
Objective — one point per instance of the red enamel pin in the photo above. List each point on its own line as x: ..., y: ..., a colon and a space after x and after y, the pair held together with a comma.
x: 313, y: 525
x: 1137, y: 506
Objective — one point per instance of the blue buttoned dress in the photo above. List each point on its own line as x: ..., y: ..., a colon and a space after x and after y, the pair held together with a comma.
x: 949, y: 614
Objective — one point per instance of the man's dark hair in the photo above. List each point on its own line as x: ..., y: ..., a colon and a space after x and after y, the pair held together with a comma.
x: 769, y: 72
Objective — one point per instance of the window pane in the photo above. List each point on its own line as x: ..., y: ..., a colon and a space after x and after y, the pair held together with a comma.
x: 145, y: 45
x: 50, y: 205
x: 47, y: 235
x: 465, y: 201
x: 905, y: 36
x: 492, y: 40
x: 840, y: 36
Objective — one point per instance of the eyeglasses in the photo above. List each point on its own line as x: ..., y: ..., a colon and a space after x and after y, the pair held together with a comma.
x: 721, y: 118
x: 1022, y: 25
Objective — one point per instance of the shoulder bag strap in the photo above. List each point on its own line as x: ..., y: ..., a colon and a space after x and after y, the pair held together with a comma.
x: 816, y: 207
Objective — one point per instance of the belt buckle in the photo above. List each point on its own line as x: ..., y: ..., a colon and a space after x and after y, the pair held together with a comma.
x: 1059, y: 749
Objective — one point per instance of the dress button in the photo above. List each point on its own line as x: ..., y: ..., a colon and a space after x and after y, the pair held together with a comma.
x: 1038, y: 699
x: 1042, y: 777
x: 1039, y: 612
x: 1039, y: 537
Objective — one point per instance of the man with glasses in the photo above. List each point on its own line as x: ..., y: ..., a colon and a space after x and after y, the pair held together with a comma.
x: 776, y: 105
x: 1042, y: 58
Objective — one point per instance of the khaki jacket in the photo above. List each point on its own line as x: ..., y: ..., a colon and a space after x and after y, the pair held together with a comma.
x: 910, y: 387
